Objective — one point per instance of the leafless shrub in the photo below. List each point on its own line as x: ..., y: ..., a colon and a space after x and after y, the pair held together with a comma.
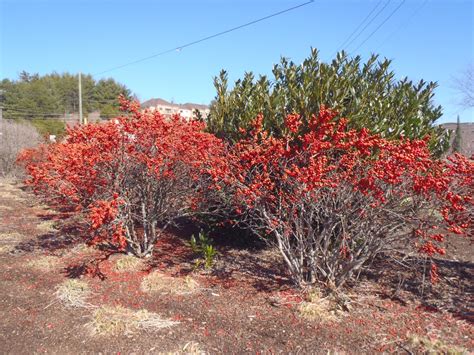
x: 332, y: 236
x: 464, y: 85
x: 14, y: 137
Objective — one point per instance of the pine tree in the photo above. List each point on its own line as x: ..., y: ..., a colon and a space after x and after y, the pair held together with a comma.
x: 457, y: 137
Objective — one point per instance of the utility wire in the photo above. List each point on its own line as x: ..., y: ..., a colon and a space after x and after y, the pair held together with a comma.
x: 358, y: 27
x: 368, y: 24
x: 403, y: 24
x: 12, y: 111
x: 189, y: 44
x: 179, y: 48
x: 31, y: 114
x: 379, y: 26
x: 34, y: 114
x: 27, y: 112
x: 105, y: 101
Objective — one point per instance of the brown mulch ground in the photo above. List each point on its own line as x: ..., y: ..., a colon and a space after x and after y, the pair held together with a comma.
x: 244, y: 305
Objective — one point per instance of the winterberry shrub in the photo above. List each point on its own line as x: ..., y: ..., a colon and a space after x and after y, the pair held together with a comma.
x: 331, y: 198
x: 132, y: 177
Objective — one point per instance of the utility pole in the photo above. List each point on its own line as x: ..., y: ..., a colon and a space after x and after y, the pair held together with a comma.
x: 81, y: 120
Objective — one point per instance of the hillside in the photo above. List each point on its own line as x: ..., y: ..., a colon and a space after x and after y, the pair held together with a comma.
x: 186, y: 106
x: 467, y: 136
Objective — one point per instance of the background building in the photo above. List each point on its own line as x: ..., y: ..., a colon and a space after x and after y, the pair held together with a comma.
x: 168, y: 108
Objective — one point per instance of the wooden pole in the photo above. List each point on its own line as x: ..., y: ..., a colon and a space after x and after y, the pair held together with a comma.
x: 81, y: 119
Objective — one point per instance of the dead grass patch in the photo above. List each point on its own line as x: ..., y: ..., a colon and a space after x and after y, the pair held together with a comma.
x: 44, y: 263
x: 11, y: 237
x: 44, y: 206
x: 47, y: 226
x: 429, y: 346
x: 7, y: 184
x: 108, y: 320
x: 190, y: 348
x: 318, y: 308
x: 73, y: 293
x: 5, y: 249
x: 7, y: 195
x: 157, y: 282
x: 82, y: 249
x: 126, y: 263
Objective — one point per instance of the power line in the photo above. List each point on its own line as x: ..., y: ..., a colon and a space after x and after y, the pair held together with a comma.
x: 28, y: 112
x: 404, y: 23
x: 189, y: 44
x: 179, y: 48
x: 91, y: 101
x: 13, y: 111
x: 359, y: 26
x: 369, y: 23
x: 381, y: 24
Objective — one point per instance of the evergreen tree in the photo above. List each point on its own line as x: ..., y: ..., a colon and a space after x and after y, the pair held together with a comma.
x: 367, y: 93
x: 44, y: 100
x: 457, y: 137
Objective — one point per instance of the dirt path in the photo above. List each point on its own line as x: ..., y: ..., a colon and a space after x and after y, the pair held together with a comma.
x: 59, y: 296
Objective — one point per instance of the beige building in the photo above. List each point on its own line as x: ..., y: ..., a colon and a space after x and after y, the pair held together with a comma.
x: 166, y: 108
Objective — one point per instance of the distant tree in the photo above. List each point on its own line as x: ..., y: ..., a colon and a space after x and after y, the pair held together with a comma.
x: 38, y: 98
x: 198, y: 115
x: 104, y: 96
x: 457, y: 137
x: 46, y: 127
x: 27, y: 77
x: 366, y: 92
x: 108, y: 111
x: 464, y: 84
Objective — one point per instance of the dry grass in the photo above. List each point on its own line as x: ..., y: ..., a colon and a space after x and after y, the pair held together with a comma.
x: 47, y: 226
x: 8, y: 241
x: 190, y: 348
x: 5, y: 208
x: 427, y: 346
x: 126, y: 263
x: 73, y: 293
x: 318, y: 308
x: 5, y: 249
x: 9, y: 190
x: 44, y: 263
x: 118, y: 320
x: 159, y: 283
x: 82, y: 249
x: 8, y: 184
x: 12, y: 195
x: 11, y: 237
x: 44, y: 206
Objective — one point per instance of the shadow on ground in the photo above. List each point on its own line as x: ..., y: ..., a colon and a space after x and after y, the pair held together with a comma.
x: 454, y: 292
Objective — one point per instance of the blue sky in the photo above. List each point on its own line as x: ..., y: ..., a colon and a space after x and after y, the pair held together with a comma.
x: 431, y: 40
